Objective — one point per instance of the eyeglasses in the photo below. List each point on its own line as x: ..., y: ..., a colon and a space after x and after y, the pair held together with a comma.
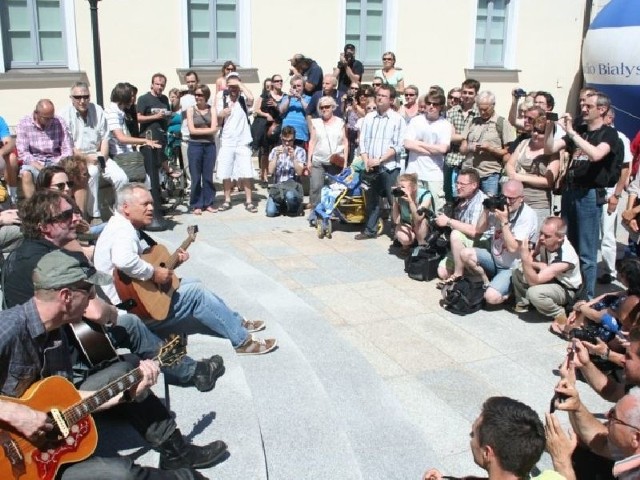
x: 451, y: 97
x: 611, y: 416
x: 198, y: 94
x: 80, y: 97
x: 539, y: 130
x: 409, y: 94
x: 64, y: 216
x: 376, y: 84
x: 387, y: 59
x: 531, y: 119
x: 276, y: 81
x: 433, y: 104
x: 325, y: 107
x: 60, y: 186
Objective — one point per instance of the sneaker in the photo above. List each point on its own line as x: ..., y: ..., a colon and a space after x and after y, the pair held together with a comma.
x: 208, y: 371
x: 364, y: 236
x: 521, y: 307
x: 253, y: 326
x: 256, y: 346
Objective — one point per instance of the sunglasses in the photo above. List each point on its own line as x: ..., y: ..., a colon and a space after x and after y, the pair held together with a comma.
x: 433, y: 104
x: 65, y: 216
x: 539, y: 130
x: 80, y: 97
x: 387, y: 59
x: 325, y: 107
x: 198, y: 95
x: 376, y: 84
x: 409, y: 94
x: 60, y: 186
x: 450, y: 97
x: 277, y: 81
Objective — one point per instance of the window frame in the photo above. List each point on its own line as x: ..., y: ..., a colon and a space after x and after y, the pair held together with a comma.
x: 69, y: 36
x: 389, y: 30
x: 242, y: 28
x: 509, y: 38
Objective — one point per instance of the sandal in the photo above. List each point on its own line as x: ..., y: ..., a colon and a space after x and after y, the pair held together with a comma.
x: 250, y: 207
x: 558, y: 331
x: 224, y: 207
x: 211, y: 209
x: 197, y: 211
x: 448, y: 281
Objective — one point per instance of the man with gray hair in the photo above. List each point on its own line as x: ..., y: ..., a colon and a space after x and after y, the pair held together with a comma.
x: 87, y: 124
x: 549, y: 275
x: 329, y: 89
x: 42, y: 139
x: 485, y: 142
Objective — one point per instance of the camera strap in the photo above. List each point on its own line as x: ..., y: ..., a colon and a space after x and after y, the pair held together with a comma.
x: 517, y: 215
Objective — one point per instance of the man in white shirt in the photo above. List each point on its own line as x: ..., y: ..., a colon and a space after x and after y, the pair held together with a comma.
x: 427, y: 139
x: 87, y: 124
x: 187, y: 100
x: 234, y: 157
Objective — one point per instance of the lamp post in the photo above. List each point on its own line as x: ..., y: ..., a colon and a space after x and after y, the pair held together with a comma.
x: 97, y: 57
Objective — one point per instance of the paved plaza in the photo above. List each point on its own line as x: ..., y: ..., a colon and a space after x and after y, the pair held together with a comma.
x: 372, y: 377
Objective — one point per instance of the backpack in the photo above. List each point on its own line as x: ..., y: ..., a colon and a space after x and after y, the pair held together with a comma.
x: 463, y: 296
x: 422, y: 264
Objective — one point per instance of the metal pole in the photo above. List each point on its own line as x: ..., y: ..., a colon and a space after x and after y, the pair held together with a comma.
x: 97, y: 57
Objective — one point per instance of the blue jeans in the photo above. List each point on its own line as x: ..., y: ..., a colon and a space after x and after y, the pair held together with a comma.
x: 381, y: 188
x: 131, y: 333
x: 202, y: 159
x: 291, y: 205
x: 583, y: 215
x: 500, y: 277
x: 490, y: 184
x: 192, y: 301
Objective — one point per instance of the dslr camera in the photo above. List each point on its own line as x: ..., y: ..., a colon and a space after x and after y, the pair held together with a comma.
x: 495, y: 202
x: 397, y: 192
x: 349, y: 58
x: 438, y: 237
x: 591, y: 332
x: 519, y: 93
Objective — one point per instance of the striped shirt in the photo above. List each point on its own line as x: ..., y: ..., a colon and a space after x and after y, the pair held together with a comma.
x: 116, y: 121
x: 285, y: 168
x: 47, y: 145
x: 460, y: 121
x: 379, y: 133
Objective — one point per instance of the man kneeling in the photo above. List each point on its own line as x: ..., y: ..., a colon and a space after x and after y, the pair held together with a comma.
x: 549, y: 276
x: 513, y: 224
x: 286, y: 164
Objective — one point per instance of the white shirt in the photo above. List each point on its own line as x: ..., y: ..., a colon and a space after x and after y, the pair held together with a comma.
x: 235, y: 130
x: 524, y: 229
x: 437, y: 132
x: 186, y: 101
x: 87, y: 135
x: 119, y: 247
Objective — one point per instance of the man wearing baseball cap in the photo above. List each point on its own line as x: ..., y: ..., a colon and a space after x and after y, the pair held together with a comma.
x: 33, y: 347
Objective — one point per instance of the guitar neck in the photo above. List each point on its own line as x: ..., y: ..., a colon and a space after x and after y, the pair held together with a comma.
x: 173, y: 259
x: 90, y: 404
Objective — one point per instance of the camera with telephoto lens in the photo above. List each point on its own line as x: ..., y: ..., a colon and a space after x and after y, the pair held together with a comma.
x: 495, y: 202
x: 591, y: 332
x: 438, y: 237
x: 349, y: 58
x: 397, y: 192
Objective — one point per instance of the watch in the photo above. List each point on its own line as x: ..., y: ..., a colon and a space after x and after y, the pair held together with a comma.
x: 449, y: 223
x: 617, y: 195
x: 605, y: 355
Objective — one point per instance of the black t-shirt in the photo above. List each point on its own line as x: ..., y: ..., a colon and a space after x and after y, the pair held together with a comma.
x: 314, y: 76
x: 312, y: 108
x: 344, y: 82
x: 145, y: 103
x: 577, y: 174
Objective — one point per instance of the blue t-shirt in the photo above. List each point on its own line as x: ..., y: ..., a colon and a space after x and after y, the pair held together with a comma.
x: 295, y: 117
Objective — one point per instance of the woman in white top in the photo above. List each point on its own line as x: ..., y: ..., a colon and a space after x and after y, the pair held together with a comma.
x: 327, y: 144
x: 389, y: 74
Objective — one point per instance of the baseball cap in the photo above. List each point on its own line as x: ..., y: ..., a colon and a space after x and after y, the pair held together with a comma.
x: 232, y: 75
x: 58, y: 269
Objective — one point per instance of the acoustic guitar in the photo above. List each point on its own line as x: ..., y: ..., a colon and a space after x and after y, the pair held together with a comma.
x: 74, y: 435
x: 153, y: 300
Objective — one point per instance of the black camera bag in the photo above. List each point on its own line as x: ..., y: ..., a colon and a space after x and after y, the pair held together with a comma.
x: 463, y: 296
x: 422, y: 264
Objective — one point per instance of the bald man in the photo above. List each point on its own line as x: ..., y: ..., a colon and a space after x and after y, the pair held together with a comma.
x: 42, y: 139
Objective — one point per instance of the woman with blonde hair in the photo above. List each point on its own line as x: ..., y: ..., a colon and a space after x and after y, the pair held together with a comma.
x: 409, y: 212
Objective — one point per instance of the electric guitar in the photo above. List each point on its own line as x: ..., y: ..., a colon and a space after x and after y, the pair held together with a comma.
x: 74, y: 436
x: 153, y: 300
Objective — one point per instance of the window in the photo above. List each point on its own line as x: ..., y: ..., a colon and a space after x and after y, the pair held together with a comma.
x: 365, y: 28
x: 33, y: 33
x: 492, y: 33
x: 213, y: 27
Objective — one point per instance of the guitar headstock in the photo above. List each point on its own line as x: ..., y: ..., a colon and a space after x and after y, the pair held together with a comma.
x: 192, y: 231
x: 172, y: 351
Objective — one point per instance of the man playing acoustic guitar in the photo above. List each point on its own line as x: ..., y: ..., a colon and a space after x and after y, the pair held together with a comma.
x: 119, y: 247
x: 32, y: 347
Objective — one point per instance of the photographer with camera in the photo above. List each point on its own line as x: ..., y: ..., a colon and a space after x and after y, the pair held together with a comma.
x: 463, y: 224
x: 348, y: 70
x: 549, y: 276
x: 513, y: 222
x: 410, y: 205
x: 286, y: 163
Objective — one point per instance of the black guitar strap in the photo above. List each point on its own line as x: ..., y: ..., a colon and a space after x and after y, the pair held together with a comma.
x: 145, y: 236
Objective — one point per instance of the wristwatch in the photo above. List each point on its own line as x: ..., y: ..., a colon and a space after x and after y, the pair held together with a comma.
x: 605, y: 355
x: 449, y: 223
x: 617, y: 195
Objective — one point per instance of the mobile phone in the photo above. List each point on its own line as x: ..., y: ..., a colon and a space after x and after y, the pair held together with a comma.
x: 102, y: 162
x: 552, y: 116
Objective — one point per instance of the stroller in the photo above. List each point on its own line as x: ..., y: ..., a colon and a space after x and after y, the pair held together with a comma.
x: 342, y: 200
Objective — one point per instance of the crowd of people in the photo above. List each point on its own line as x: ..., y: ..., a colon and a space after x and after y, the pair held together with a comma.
x: 522, y: 201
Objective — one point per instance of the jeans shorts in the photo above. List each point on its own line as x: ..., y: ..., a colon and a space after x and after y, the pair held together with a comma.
x: 500, y: 277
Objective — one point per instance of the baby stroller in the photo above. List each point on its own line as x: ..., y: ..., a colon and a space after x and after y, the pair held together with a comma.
x: 174, y: 190
x: 344, y: 200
